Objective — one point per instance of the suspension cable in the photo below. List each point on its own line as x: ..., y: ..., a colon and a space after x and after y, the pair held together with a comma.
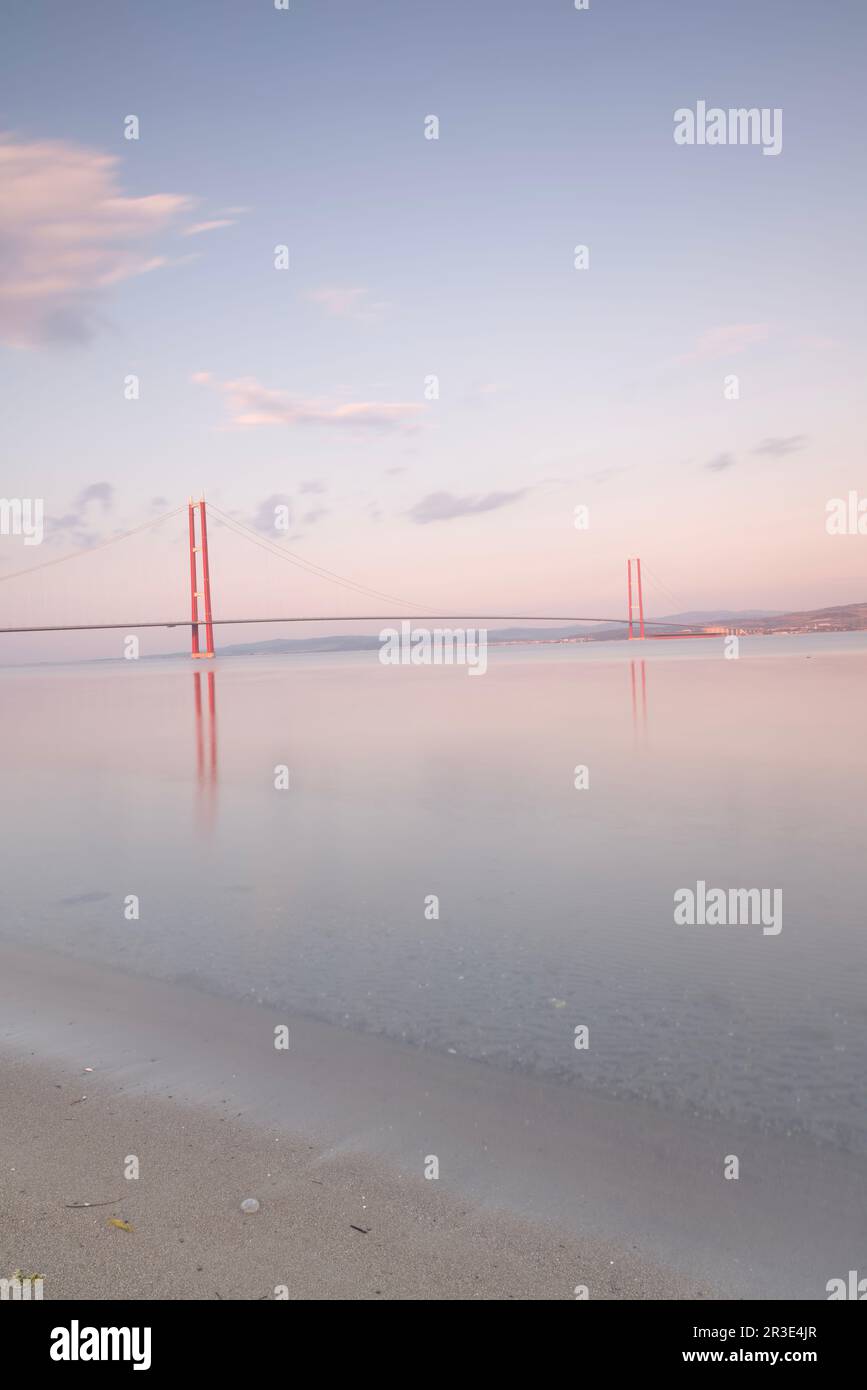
x: 91, y: 549
x: 319, y: 571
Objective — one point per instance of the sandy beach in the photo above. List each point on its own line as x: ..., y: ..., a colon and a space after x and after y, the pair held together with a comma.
x: 330, y: 1226
x: 332, y: 1223
x: 540, y: 1189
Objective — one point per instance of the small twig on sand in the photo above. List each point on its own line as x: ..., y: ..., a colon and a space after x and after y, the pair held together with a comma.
x: 73, y: 1206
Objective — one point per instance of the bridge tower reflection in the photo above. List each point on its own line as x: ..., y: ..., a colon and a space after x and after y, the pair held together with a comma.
x: 206, y: 745
x: 639, y: 712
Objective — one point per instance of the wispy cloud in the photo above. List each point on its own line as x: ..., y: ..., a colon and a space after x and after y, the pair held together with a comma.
x: 265, y: 517
x: 780, y: 445
x: 96, y: 492
x: 444, y: 506
x: 198, y: 227
x: 726, y: 341
x: 68, y: 234
x: 817, y: 342
x: 77, y: 525
x: 251, y: 404
x: 777, y: 446
x: 604, y: 475
x: 347, y: 302
x: 283, y: 505
x: 483, y: 394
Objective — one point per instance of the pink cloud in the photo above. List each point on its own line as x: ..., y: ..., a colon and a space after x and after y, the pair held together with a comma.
x: 727, y: 340
x: 68, y: 233
x: 346, y: 303
x: 198, y: 227
x: 816, y: 343
x: 251, y: 404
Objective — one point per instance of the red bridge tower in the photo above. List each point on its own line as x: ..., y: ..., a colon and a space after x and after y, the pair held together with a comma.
x: 637, y: 564
x: 195, y: 592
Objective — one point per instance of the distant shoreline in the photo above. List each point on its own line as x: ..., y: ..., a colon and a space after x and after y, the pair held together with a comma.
x: 354, y: 643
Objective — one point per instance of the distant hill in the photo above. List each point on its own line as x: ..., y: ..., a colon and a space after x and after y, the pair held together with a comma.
x: 848, y: 617
x: 721, y: 615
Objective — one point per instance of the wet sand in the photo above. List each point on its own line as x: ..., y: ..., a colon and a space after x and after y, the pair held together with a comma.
x: 330, y: 1226
x: 541, y: 1186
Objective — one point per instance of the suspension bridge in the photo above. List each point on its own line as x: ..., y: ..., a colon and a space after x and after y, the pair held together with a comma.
x: 202, y: 620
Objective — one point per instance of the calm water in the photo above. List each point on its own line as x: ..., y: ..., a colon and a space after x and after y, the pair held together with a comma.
x: 556, y: 905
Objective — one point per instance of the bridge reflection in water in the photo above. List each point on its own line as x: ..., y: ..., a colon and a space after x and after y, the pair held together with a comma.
x: 206, y: 747
x: 639, y: 696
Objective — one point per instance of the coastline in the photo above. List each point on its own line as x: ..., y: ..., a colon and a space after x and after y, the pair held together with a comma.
x: 539, y: 1189
x: 331, y: 1226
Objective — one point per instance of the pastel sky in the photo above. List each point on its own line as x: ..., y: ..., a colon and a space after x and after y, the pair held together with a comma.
x: 411, y: 257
